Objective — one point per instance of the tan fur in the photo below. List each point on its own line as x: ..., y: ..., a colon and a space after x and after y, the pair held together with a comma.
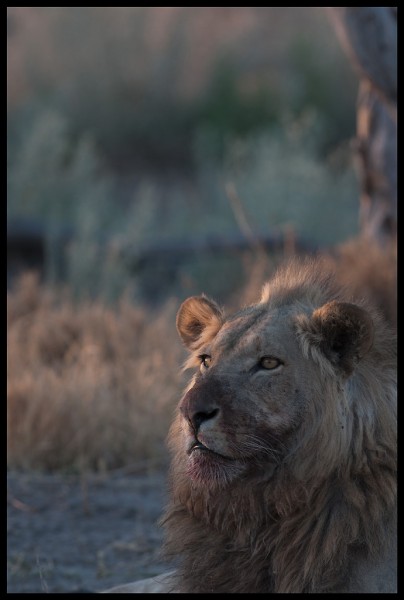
x: 294, y: 487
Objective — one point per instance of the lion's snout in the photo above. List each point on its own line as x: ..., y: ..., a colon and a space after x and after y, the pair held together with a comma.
x: 199, y: 406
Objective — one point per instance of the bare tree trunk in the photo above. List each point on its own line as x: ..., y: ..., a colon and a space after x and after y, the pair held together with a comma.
x: 369, y: 36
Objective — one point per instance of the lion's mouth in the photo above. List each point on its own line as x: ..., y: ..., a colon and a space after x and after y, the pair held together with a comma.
x: 197, y: 446
x: 210, y: 468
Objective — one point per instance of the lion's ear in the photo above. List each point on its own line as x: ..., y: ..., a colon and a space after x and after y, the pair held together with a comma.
x: 198, y: 320
x: 343, y: 332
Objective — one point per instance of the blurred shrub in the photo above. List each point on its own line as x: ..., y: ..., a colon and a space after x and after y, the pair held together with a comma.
x: 315, y: 85
x: 87, y: 387
x: 224, y: 111
x: 61, y: 180
x: 98, y: 92
x: 283, y: 186
x: 144, y: 81
x: 51, y: 173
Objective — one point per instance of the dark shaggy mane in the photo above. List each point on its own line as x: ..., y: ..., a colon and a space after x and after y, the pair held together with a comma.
x: 331, y: 504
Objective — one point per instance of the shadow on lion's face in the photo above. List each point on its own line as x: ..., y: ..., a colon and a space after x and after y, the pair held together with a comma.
x: 262, y: 377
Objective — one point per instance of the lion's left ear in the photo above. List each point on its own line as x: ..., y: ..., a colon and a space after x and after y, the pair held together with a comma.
x: 342, y: 331
x: 198, y: 321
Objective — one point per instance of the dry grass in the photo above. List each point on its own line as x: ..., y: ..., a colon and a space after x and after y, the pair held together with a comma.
x: 88, y: 386
x: 370, y: 273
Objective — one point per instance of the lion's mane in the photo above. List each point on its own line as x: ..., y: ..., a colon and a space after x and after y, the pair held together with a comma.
x: 329, y: 507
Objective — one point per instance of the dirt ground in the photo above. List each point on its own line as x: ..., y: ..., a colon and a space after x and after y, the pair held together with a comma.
x: 69, y: 533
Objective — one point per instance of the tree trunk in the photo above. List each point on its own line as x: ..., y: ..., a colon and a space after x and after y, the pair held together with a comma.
x: 369, y: 36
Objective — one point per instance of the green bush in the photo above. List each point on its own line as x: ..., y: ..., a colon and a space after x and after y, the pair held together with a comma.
x: 284, y: 184
x: 61, y: 181
x: 264, y: 113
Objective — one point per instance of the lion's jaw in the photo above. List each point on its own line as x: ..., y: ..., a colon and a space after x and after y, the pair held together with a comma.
x: 205, y: 467
x: 217, y: 453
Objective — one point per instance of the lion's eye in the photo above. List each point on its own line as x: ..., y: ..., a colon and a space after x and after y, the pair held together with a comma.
x: 269, y: 362
x: 205, y: 360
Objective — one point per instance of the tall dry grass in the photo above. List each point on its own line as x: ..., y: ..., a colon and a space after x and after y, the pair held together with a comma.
x: 89, y: 387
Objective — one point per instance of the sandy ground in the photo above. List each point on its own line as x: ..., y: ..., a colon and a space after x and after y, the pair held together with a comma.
x: 70, y: 533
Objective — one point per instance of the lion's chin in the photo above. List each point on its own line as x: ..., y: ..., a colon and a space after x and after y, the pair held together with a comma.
x: 213, y: 470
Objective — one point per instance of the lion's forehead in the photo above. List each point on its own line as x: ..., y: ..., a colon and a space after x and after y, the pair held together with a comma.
x: 257, y: 331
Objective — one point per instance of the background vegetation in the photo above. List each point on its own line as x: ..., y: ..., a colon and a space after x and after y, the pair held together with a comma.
x: 127, y: 127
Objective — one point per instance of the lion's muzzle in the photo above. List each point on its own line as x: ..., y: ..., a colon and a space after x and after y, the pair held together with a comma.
x: 200, y: 405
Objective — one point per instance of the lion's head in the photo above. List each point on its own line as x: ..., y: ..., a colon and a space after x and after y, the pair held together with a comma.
x: 268, y: 379
x: 289, y: 413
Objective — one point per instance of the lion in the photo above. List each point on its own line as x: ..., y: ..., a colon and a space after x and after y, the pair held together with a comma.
x: 283, y: 472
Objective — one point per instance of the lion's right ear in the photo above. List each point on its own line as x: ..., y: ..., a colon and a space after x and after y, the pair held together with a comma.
x: 198, y: 320
x: 343, y: 332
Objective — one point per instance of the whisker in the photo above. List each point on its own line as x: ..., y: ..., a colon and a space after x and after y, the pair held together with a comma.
x: 255, y: 444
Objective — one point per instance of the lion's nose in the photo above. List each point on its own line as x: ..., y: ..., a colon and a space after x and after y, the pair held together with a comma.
x: 197, y: 409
